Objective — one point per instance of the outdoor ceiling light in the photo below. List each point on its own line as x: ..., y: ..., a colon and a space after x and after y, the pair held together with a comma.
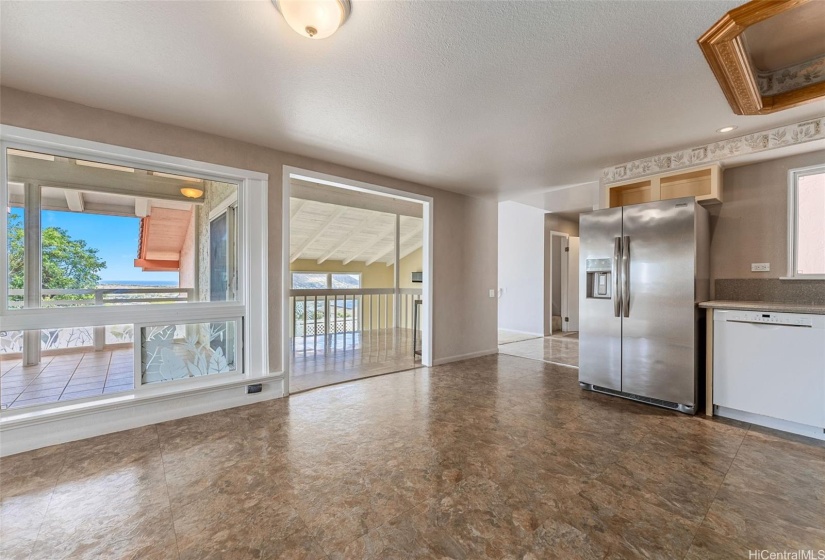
x: 191, y: 192
x: 316, y: 19
x: 726, y: 129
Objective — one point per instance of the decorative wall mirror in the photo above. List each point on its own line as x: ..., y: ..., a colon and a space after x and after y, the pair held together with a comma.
x: 769, y: 55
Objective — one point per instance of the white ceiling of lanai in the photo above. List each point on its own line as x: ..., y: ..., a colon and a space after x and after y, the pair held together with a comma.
x: 330, y: 232
x: 498, y: 97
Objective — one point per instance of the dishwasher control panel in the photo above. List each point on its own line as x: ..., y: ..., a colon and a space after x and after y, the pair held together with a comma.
x: 767, y: 318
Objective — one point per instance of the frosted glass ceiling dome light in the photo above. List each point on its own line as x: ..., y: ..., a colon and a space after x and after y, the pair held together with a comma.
x: 316, y: 19
x: 191, y: 192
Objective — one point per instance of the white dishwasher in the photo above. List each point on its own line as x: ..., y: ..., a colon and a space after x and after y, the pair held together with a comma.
x: 771, y: 365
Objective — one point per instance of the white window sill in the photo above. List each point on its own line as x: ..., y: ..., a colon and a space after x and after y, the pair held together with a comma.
x: 172, y: 390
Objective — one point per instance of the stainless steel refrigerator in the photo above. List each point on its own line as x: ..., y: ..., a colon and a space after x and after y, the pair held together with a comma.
x: 643, y: 269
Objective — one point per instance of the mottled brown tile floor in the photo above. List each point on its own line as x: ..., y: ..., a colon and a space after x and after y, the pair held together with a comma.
x: 497, y: 457
x: 322, y: 360
x: 558, y: 349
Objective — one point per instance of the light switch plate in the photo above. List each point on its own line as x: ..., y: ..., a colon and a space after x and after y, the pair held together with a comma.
x: 760, y: 267
x: 492, y: 293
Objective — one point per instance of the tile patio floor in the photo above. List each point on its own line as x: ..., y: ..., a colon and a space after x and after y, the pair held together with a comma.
x: 65, y: 377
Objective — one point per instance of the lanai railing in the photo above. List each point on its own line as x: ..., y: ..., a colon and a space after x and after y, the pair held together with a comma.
x: 12, y: 342
x: 340, y: 311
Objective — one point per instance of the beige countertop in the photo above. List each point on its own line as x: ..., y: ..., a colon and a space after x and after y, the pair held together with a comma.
x: 764, y: 306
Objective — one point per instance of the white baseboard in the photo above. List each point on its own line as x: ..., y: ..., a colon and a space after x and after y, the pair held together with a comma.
x: 34, y: 433
x: 768, y: 422
x: 450, y: 359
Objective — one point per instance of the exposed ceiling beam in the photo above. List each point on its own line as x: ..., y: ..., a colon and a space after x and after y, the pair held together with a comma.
x: 294, y: 209
x: 346, y: 239
x: 391, y: 251
x: 306, y: 190
x: 143, y: 207
x: 74, y: 200
x: 318, y: 233
x: 365, y: 249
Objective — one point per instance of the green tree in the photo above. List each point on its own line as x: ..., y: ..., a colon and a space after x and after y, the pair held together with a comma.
x: 68, y: 264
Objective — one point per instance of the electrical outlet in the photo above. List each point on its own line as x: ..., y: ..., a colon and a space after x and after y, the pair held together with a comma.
x: 492, y: 293
x: 760, y: 267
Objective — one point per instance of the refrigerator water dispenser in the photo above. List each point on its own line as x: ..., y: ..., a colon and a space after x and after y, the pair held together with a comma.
x: 598, y: 278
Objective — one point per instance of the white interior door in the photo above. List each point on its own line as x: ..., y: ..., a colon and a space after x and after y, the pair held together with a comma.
x: 571, y: 294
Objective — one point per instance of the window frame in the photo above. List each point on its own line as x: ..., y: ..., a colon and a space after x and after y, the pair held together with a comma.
x: 251, y: 288
x: 329, y: 276
x: 793, y: 242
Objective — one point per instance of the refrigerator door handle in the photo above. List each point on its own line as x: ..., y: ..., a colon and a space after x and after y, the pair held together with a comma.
x: 626, y: 276
x: 617, y: 292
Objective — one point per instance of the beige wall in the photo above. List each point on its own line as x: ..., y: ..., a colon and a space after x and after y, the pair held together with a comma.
x: 409, y: 264
x: 465, y: 231
x: 562, y: 224
x: 751, y: 226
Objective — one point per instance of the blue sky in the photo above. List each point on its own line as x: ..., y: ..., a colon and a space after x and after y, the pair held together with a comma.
x: 115, y: 238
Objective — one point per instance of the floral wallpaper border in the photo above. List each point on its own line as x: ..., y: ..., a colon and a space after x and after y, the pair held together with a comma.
x: 792, y: 77
x: 782, y: 136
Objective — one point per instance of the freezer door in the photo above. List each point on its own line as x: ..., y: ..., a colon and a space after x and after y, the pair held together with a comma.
x: 659, y: 317
x: 600, y: 323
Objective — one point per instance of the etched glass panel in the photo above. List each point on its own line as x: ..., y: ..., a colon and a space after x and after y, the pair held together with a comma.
x: 170, y: 352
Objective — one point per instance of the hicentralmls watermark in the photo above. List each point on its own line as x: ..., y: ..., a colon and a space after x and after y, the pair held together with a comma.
x: 786, y: 555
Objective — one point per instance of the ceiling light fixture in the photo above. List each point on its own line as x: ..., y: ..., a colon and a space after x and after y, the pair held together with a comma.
x: 191, y: 192
x: 315, y: 19
x: 726, y: 129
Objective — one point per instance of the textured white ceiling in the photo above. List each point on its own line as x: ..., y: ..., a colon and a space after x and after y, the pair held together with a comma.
x: 477, y: 97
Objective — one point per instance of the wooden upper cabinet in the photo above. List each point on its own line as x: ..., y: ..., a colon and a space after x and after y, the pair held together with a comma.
x: 703, y: 183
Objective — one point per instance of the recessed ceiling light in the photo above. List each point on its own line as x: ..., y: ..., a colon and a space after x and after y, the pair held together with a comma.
x: 727, y: 129
x: 315, y: 19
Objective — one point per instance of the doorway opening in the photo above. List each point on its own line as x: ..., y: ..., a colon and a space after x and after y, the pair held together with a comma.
x: 562, y: 284
x: 357, y: 277
x: 538, y: 283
